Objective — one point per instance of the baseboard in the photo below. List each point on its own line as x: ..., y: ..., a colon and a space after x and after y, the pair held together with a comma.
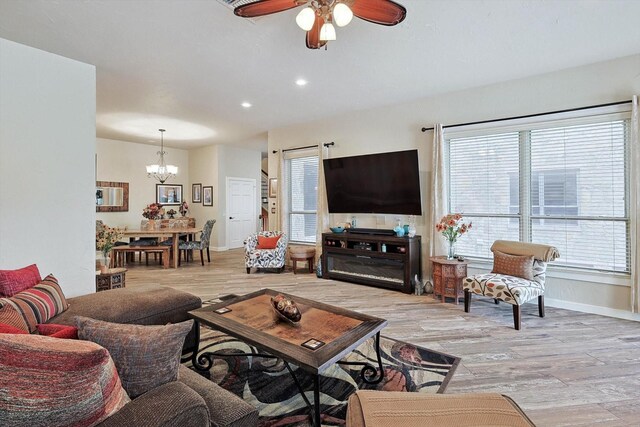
x: 594, y: 309
x: 219, y: 248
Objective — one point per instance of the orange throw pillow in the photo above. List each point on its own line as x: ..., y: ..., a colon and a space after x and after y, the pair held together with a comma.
x: 512, y: 265
x: 267, y: 242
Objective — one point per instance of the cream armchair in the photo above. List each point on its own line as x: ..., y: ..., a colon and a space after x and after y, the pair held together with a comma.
x: 509, y: 288
x: 265, y: 258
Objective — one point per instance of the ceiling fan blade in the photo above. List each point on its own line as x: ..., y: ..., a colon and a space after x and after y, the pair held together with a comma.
x: 264, y: 7
x: 383, y: 12
x: 313, y: 35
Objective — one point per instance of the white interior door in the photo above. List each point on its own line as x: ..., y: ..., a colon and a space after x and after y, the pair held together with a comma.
x: 241, y: 210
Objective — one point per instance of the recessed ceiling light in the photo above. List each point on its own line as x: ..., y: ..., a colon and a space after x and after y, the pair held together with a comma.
x: 246, y: 104
x: 301, y: 82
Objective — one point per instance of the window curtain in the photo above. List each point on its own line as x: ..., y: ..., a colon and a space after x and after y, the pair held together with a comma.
x: 635, y: 205
x: 439, y: 190
x: 282, y: 202
x: 323, y: 210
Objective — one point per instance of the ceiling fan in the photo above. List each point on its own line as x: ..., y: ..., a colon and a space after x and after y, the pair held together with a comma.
x: 318, y: 16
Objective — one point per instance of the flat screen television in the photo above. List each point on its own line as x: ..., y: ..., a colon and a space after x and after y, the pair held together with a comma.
x: 386, y: 183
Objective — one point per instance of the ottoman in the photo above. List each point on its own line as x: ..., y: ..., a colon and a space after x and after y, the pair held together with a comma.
x: 391, y: 409
x: 302, y: 253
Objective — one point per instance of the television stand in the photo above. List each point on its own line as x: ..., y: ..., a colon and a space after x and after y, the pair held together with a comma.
x: 372, y: 259
x: 370, y: 231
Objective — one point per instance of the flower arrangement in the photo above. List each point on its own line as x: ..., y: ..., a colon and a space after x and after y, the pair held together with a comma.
x: 106, y: 237
x: 452, y: 226
x: 184, y: 208
x: 153, y: 211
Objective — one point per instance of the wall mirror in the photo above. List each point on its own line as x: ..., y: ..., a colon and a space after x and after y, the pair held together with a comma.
x: 112, y: 196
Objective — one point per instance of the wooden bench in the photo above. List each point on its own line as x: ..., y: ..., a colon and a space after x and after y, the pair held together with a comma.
x: 119, y: 254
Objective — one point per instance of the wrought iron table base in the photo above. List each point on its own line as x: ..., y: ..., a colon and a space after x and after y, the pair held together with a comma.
x: 203, y: 361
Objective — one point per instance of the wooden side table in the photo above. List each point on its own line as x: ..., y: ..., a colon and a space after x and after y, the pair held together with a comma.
x: 447, y: 277
x: 302, y: 253
x: 112, y: 279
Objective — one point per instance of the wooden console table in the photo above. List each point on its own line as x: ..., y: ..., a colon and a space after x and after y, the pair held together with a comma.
x: 112, y: 279
x: 447, y: 277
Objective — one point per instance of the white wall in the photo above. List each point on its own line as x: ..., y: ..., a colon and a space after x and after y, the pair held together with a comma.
x: 47, y: 181
x: 123, y: 161
x: 398, y: 127
x: 210, y: 166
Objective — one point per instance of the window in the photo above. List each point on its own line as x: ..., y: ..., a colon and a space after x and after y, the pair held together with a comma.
x: 564, y: 184
x: 302, y: 173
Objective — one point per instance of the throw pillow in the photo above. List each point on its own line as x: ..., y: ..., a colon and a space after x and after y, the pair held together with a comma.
x: 146, y: 356
x: 58, y: 331
x: 52, y: 382
x: 513, y: 265
x: 38, y: 304
x: 9, y: 329
x: 267, y: 242
x: 9, y: 316
x: 14, y: 281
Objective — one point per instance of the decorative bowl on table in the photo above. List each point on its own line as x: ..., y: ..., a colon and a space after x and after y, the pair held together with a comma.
x: 337, y: 229
x: 286, y: 309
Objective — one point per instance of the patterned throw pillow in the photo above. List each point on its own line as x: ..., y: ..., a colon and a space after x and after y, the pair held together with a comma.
x: 146, y: 356
x: 38, y: 304
x: 9, y: 316
x: 14, y: 281
x: 267, y: 242
x: 51, y: 382
x: 512, y: 265
x: 9, y: 329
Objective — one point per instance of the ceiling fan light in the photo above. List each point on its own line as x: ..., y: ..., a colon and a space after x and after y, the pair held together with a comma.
x: 327, y: 32
x: 342, y: 15
x: 306, y: 18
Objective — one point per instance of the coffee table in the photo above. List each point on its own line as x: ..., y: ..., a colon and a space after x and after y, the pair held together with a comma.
x: 328, y: 332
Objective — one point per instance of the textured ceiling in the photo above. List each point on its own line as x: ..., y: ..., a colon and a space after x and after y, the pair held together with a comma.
x: 188, y: 65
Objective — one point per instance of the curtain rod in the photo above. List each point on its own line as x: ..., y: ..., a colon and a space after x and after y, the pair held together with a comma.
x: 531, y: 115
x: 326, y: 144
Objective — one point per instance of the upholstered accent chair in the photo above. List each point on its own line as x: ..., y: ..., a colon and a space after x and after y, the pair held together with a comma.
x: 528, y: 261
x: 201, y: 245
x: 265, y: 258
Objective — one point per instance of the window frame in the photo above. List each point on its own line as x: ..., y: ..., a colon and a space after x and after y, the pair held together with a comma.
x: 289, y: 156
x: 525, y: 216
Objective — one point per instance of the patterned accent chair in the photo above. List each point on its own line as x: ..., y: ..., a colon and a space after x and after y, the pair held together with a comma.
x: 512, y: 289
x: 205, y: 238
x: 265, y: 258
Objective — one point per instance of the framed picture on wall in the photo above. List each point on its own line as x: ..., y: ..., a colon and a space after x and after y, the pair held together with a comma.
x: 273, y: 187
x: 196, y: 193
x: 207, y: 196
x: 168, y: 194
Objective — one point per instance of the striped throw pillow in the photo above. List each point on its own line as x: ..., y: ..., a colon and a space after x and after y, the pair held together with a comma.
x: 53, y: 382
x: 9, y: 316
x: 38, y: 304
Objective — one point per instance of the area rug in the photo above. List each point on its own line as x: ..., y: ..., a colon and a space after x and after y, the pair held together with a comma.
x: 267, y: 385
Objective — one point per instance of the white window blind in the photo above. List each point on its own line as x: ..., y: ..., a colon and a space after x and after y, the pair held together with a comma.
x: 303, y: 197
x: 565, y: 186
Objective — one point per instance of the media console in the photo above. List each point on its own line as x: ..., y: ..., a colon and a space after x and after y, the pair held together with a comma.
x: 371, y: 259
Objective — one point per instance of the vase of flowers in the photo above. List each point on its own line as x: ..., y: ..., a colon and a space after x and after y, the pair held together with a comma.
x: 452, y: 226
x: 106, y: 238
x: 152, y: 212
x: 184, y: 208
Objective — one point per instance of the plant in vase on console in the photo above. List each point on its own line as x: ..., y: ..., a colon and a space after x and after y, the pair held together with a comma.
x: 184, y: 208
x: 106, y: 238
x: 452, y: 226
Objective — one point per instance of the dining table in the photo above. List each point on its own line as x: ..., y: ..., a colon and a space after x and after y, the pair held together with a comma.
x: 173, y: 232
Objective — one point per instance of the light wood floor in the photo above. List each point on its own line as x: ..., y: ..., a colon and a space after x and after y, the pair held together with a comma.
x: 567, y: 369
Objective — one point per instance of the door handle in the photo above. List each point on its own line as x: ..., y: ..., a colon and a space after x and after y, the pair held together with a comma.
x: 230, y: 217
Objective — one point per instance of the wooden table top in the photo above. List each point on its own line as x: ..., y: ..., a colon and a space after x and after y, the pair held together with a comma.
x: 161, y: 231
x: 253, y: 320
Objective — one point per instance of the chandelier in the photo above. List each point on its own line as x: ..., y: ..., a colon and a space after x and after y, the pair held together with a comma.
x: 161, y: 171
x: 318, y: 16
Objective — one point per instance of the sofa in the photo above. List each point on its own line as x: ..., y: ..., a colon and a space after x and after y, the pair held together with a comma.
x: 192, y: 400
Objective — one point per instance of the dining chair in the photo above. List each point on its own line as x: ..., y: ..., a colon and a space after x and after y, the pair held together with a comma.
x: 200, y: 245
